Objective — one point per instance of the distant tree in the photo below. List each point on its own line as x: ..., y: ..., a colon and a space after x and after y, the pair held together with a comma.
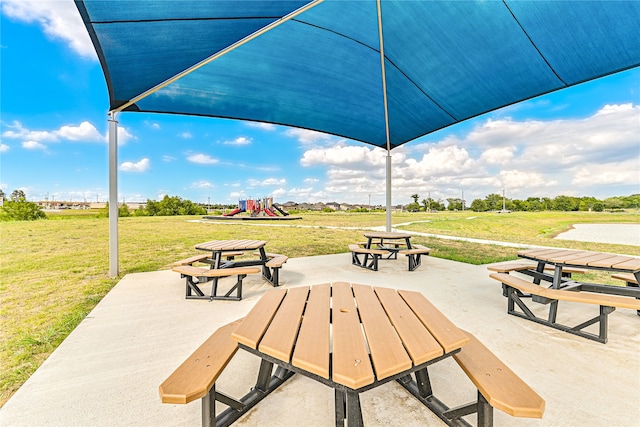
x: 2, y: 195
x: 18, y: 195
x: 494, y: 202
x: 415, y: 198
x: 123, y: 210
x: 478, y: 205
x: 566, y: 203
x: 19, y: 209
x: 613, y: 203
x: 454, y: 204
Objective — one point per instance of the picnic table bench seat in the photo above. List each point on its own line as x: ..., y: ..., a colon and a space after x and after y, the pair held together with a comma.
x: 196, y: 377
x: 414, y: 255
x: 509, y: 266
x: 189, y: 272
x: 498, y: 386
x: 629, y: 278
x: 517, y: 288
x: 202, y: 257
x: 369, y: 258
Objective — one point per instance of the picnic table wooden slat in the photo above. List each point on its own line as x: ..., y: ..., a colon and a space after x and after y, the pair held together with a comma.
x: 537, y: 252
x: 595, y: 256
x: 610, y: 262
x: 563, y: 257
x: 312, y: 347
x: 632, y: 265
x: 420, y: 344
x: 255, y: 324
x: 351, y: 364
x: 280, y: 338
x: 442, y: 329
x: 388, y: 354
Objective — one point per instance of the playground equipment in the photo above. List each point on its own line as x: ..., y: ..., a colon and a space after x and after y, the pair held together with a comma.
x: 257, y: 208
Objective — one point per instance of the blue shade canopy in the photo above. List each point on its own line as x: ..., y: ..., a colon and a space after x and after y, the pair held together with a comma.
x: 321, y: 68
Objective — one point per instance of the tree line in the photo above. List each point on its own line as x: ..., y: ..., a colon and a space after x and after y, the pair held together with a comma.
x: 497, y: 202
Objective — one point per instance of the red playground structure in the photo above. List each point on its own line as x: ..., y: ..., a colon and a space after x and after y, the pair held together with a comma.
x: 257, y: 208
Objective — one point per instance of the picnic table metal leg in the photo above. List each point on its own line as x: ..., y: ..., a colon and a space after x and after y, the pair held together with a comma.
x: 485, y: 412
x: 340, y: 408
x: 354, y: 413
x: 209, y: 408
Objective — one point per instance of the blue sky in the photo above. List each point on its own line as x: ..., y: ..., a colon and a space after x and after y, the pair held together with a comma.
x: 579, y: 141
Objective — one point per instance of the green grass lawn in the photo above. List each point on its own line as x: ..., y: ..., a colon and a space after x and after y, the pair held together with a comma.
x: 53, y: 272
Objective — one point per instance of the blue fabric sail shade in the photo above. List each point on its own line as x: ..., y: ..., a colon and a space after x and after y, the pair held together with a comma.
x: 444, y: 61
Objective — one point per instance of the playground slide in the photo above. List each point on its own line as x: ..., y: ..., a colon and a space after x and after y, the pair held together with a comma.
x: 280, y: 210
x: 269, y: 212
x: 234, y: 212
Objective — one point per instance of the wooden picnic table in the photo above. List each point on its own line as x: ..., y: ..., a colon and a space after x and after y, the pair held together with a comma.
x: 350, y: 337
x: 561, y: 258
x: 221, y: 248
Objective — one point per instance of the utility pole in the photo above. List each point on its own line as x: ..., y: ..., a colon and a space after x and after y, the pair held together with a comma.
x: 503, y: 201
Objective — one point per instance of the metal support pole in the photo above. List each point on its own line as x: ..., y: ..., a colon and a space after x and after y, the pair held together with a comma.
x: 113, y: 196
x: 388, y: 191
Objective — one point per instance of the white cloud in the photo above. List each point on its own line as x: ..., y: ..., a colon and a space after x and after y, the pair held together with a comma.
x: 498, y: 155
x: 185, y: 135
x: 58, y: 19
x: 33, y: 145
x: 168, y: 159
x: 528, y: 158
x: 306, y: 136
x: 266, y: 182
x: 140, y: 166
x: 202, y: 159
x: 4, y: 148
x: 311, y: 180
x: 202, y: 184
x: 345, y: 155
x: 626, y: 172
x: 263, y: 126
x: 241, y: 140
x: 84, y: 132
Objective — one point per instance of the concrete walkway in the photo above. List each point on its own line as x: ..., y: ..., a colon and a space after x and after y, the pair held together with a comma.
x: 107, y: 372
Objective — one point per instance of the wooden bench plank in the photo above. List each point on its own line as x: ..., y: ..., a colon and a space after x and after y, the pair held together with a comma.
x: 420, y: 344
x: 415, y: 250
x: 573, y: 296
x: 442, y: 329
x: 196, y: 375
x: 388, y: 354
x: 627, y: 277
x: 191, y: 260
x: 189, y: 270
x: 312, y: 347
x: 277, y: 261
x: 505, y: 267
x: 255, y: 324
x: 286, y: 323
x: 350, y: 361
x: 502, y: 388
x: 361, y: 250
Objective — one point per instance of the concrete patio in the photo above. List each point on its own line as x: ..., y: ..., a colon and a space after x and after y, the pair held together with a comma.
x: 107, y: 372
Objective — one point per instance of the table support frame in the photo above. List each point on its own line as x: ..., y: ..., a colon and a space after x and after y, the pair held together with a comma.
x: 347, y: 399
x: 515, y: 298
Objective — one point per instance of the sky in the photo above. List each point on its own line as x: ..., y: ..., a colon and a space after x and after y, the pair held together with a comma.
x: 580, y: 141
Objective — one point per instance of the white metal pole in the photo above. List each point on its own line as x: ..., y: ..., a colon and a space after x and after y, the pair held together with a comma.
x: 113, y: 196
x: 386, y: 113
x: 388, y: 191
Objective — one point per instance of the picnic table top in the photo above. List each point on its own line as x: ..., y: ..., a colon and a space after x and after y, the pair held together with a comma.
x: 369, y: 333
x: 386, y: 235
x: 579, y: 258
x: 231, y: 245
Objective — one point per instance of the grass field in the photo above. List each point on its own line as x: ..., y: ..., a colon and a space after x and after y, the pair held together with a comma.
x: 53, y: 272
